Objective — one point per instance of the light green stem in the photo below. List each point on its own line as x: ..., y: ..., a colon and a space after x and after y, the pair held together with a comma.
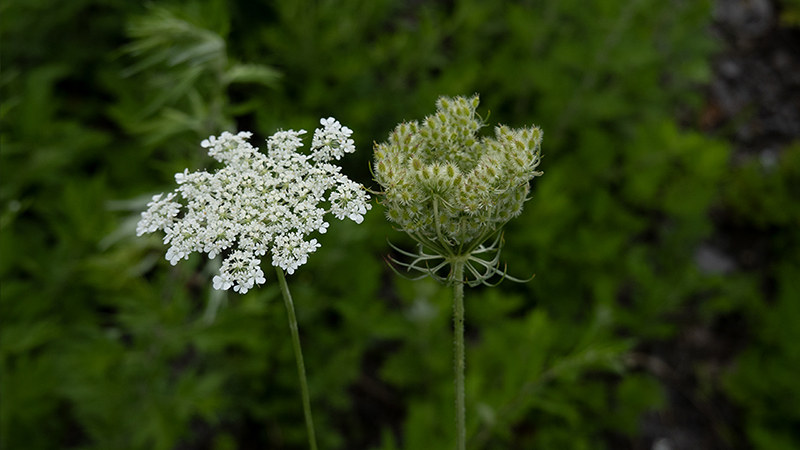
x: 298, y: 356
x: 459, y: 364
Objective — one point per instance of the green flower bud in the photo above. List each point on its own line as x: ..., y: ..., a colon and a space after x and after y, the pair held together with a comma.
x: 450, y: 189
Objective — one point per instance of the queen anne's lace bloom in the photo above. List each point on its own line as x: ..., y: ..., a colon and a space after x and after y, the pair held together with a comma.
x: 258, y: 204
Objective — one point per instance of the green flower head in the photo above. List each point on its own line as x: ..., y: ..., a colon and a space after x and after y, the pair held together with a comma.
x: 450, y: 189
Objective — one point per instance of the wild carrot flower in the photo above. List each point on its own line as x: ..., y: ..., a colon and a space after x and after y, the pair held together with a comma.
x: 451, y: 190
x: 258, y: 203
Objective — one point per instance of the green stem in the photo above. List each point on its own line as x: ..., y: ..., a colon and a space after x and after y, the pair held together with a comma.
x: 298, y: 356
x: 459, y: 364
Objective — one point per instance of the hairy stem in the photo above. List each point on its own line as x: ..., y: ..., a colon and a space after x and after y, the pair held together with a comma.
x: 298, y: 356
x: 459, y: 363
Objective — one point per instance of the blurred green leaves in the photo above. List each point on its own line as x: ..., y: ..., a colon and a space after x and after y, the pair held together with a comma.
x: 761, y: 197
x: 183, y: 58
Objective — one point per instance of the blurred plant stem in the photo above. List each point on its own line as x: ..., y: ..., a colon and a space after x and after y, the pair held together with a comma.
x: 459, y: 363
x: 298, y: 356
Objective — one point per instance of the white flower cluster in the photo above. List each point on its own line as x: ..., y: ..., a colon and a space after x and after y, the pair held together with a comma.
x: 258, y: 204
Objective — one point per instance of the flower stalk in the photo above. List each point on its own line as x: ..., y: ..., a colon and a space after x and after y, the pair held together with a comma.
x: 259, y: 204
x: 460, y: 356
x: 298, y: 357
x: 451, y: 192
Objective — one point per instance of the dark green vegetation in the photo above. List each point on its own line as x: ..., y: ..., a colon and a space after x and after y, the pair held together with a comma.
x: 107, y: 346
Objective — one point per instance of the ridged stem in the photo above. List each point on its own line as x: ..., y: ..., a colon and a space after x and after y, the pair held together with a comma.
x: 298, y: 356
x: 460, y: 358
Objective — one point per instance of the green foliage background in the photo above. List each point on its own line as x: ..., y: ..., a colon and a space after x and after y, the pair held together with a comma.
x: 107, y: 346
